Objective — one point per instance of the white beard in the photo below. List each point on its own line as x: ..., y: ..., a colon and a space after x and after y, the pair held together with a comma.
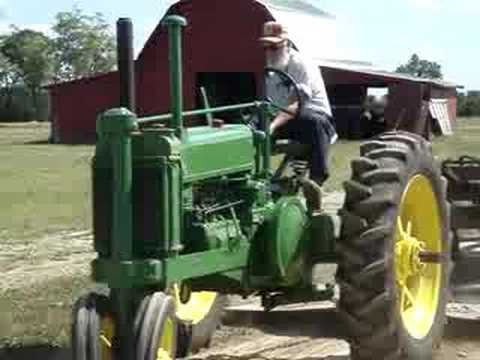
x: 278, y: 59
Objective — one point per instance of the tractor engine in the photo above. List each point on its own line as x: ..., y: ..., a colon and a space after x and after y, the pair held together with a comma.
x: 207, y: 192
x: 220, y: 212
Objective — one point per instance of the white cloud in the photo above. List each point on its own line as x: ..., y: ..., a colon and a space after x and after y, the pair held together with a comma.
x: 3, y: 16
x: 431, y: 53
x: 3, y: 10
x: 44, y: 28
x: 5, y: 27
x: 5, y: 22
x: 431, y: 5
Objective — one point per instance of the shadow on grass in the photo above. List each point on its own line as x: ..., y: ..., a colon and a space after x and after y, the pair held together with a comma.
x: 36, y: 142
x: 42, y: 352
x: 47, y: 142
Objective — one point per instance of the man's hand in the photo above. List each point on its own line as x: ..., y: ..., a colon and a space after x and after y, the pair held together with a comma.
x: 282, y: 118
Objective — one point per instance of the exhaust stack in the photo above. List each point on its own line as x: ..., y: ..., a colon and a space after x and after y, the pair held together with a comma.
x: 126, y: 67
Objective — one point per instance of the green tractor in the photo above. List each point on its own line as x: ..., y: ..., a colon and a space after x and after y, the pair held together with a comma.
x: 185, y: 216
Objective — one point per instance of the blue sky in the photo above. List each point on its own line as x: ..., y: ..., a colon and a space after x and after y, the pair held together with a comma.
x: 383, y: 32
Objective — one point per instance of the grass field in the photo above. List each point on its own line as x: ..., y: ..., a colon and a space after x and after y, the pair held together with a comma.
x: 44, y: 192
x: 44, y: 188
x: 45, y: 195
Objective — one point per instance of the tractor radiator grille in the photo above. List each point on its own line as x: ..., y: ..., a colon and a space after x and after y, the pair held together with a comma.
x: 146, y: 211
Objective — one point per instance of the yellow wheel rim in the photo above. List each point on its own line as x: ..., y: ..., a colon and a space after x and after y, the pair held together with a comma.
x: 166, y: 341
x: 197, y: 307
x: 418, y: 229
x: 107, y: 331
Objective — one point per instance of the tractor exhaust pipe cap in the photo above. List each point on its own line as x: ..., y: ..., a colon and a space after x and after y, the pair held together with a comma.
x: 125, y: 63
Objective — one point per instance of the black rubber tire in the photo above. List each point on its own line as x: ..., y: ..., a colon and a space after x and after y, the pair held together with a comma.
x: 85, y: 328
x: 368, y: 296
x: 150, y: 319
x: 192, y: 338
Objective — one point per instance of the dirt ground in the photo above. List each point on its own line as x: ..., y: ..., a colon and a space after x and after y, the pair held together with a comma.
x: 305, y: 332
x: 313, y: 331
x: 296, y: 332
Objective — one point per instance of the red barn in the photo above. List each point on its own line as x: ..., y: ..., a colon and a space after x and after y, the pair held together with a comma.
x: 220, y: 52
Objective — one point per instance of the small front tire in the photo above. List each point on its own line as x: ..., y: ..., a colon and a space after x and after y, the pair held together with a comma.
x: 156, y: 328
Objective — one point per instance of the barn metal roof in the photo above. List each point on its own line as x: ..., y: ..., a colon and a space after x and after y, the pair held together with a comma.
x: 311, y: 29
x: 300, y: 17
x: 369, y: 69
x: 299, y: 6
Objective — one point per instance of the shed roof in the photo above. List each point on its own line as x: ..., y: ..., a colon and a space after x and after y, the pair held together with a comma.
x: 380, y: 74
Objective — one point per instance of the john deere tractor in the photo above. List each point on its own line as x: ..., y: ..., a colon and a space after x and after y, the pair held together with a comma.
x: 186, y: 215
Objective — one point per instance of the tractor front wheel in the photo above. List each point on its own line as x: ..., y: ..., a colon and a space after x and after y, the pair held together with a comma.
x: 198, y: 318
x: 92, y: 328
x: 156, y: 328
x: 394, y: 250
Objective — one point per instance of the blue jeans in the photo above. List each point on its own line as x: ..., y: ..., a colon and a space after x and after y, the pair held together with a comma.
x: 314, y: 128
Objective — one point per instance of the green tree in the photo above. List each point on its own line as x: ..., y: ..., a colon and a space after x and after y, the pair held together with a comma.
x: 421, y: 68
x: 29, y: 53
x: 468, y: 105
x: 83, y: 45
x: 9, y: 77
x: 8, y: 73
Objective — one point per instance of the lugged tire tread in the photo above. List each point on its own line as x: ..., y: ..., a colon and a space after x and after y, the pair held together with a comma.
x: 361, y: 165
x: 368, y: 146
x: 365, y: 302
x: 356, y: 191
x: 403, y: 138
x: 396, y: 153
x: 353, y: 224
x: 380, y: 176
x: 372, y: 236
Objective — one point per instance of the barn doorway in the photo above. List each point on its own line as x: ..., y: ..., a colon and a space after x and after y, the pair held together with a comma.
x: 226, y: 88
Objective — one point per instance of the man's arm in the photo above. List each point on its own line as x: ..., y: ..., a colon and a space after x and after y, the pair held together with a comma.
x: 283, y: 117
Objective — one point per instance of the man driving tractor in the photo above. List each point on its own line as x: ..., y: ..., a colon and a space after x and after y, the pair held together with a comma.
x: 311, y: 124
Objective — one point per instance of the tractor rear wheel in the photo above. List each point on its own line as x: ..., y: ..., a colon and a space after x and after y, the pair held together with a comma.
x: 394, y: 250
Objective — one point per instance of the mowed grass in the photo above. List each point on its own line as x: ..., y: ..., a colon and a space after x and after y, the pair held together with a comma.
x: 43, y: 188
x: 46, y: 188
x: 465, y: 141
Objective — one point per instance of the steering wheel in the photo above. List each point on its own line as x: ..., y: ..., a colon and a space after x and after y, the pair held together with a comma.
x: 286, y: 84
x: 282, y: 82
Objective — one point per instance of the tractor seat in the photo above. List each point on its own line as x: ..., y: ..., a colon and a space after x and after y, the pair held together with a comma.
x: 291, y: 148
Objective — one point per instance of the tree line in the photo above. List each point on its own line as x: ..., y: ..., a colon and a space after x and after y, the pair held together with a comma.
x: 81, y: 45
x: 77, y: 45
x: 468, y: 104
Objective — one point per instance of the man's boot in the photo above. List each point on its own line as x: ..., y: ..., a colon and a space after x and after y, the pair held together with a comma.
x: 313, y: 194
